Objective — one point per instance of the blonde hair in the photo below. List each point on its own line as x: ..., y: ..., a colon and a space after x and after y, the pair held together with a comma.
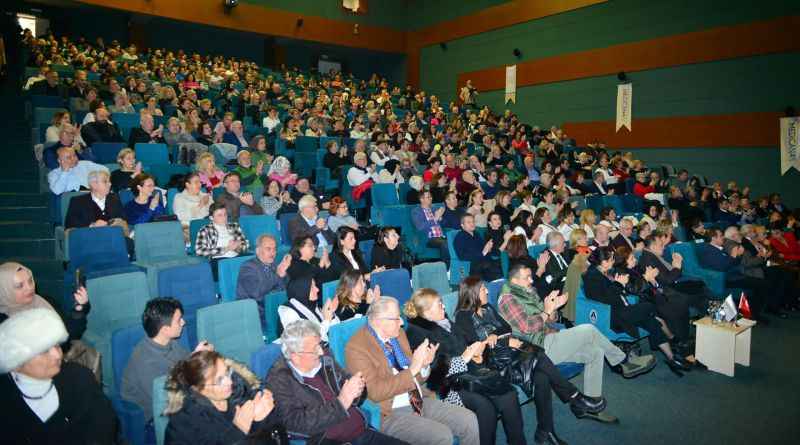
x: 587, y: 214
x: 201, y: 160
x: 421, y: 300
x: 574, y: 235
x: 124, y: 152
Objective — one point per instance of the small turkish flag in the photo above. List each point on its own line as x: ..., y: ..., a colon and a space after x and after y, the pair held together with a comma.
x: 744, y: 307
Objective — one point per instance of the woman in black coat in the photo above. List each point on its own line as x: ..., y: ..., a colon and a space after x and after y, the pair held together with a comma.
x: 346, y: 254
x: 304, y: 264
x: 427, y: 319
x: 477, y: 320
x: 602, y: 283
x: 212, y: 400
x: 387, y: 252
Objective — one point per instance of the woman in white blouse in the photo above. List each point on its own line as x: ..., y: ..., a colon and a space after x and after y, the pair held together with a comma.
x: 304, y: 303
x: 191, y: 203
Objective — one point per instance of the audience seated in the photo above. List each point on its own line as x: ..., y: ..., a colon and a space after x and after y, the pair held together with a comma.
x: 48, y: 400
x: 146, y: 132
x: 156, y: 353
x: 261, y: 275
x: 280, y: 170
x: 308, y: 223
x: 340, y: 215
x: 275, y: 200
x: 353, y: 295
x: 210, y: 176
x: 531, y: 317
x: 128, y: 169
x: 394, y: 376
x: 147, y: 204
x: 220, y: 239
x: 471, y: 247
x: 314, y: 397
x: 347, y: 256
x: 101, y: 129
x: 427, y: 220
x: 216, y: 400
x: 237, y: 202
x: 71, y: 175
x: 191, y: 203
x: 305, y: 302
x: 305, y: 264
x: 98, y: 208
x: 387, y: 252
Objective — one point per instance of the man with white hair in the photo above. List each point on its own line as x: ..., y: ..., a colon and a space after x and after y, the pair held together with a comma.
x: 44, y: 399
x: 316, y: 398
x: 71, y: 175
x: 308, y: 223
x: 625, y: 235
x: 394, y: 376
x: 98, y: 208
x: 555, y: 271
x: 600, y: 236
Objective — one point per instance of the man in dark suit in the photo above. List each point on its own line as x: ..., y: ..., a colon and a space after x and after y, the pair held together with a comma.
x: 308, y: 223
x: 555, y: 271
x: 754, y: 264
x: 598, y: 186
x: 262, y: 274
x: 50, y: 86
x: 101, y: 130
x: 99, y: 208
x: 712, y: 255
x: 624, y: 236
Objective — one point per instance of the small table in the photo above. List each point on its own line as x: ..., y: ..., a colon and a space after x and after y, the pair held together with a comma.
x: 721, y: 346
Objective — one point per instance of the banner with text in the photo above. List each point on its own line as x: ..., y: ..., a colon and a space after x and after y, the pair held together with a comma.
x: 624, y: 103
x: 511, y: 84
x: 790, y: 143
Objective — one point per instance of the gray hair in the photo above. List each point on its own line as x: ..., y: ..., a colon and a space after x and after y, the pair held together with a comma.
x: 95, y: 175
x: 554, y: 238
x: 306, y: 201
x: 294, y: 334
x: 265, y: 236
x: 730, y: 231
x: 381, y: 306
x: 746, y: 229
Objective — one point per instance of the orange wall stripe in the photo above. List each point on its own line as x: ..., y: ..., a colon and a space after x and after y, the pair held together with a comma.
x: 729, y: 42
x: 267, y: 21
x: 722, y: 130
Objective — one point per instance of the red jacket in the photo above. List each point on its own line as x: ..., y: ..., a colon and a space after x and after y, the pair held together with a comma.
x: 790, y: 249
x: 640, y: 189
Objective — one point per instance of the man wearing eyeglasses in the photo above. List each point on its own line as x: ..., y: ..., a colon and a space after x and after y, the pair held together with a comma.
x: 394, y: 375
x: 314, y: 397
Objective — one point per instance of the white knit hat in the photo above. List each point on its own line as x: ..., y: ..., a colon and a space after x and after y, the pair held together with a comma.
x: 27, y: 334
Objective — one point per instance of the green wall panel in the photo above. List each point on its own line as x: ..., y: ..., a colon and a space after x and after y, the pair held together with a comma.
x: 598, y: 26
x: 387, y: 13
x: 423, y: 13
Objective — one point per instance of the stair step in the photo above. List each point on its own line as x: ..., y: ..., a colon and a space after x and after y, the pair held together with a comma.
x: 25, y: 229
x: 26, y: 213
x: 24, y: 199
x: 28, y: 247
x: 19, y: 186
x: 42, y: 268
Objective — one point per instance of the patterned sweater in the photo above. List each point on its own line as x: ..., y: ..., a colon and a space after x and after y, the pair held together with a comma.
x: 522, y: 309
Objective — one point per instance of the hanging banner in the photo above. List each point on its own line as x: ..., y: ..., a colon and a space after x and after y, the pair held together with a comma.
x: 624, y: 104
x: 511, y: 84
x: 790, y: 143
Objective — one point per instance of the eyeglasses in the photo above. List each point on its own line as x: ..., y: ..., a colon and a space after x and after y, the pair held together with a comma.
x: 221, y: 380
x: 395, y: 319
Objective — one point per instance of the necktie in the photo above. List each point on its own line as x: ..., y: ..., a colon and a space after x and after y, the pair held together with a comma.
x: 414, y: 396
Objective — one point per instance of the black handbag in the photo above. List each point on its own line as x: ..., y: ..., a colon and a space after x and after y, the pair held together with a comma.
x: 515, y: 365
x: 484, y: 381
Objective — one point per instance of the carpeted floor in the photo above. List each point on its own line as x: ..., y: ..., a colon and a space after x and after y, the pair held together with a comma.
x: 760, y: 405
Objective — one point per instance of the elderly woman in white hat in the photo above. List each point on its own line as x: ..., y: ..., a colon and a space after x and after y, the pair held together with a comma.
x: 44, y: 399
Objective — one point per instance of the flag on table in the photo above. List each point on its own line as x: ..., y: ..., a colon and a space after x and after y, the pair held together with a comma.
x: 744, y: 307
x: 729, y: 307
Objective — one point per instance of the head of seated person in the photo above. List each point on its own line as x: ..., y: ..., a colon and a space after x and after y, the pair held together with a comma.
x: 233, y: 183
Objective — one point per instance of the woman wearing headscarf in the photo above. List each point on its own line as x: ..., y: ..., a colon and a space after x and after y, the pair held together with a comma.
x: 304, y: 303
x: 18, y: 294
x: 45, y: 399
x: 280, y: 170
x: 391, y: 173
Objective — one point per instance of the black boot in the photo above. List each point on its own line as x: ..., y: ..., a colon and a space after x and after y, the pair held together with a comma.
x: 547, y: 438
x: 582, y: 404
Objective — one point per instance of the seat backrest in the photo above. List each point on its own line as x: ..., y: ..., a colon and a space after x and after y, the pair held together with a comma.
x: 254, y: 226
x: 123, y: 341
x: 431, y: 275
x: 306, y: 144
x: 125, y: 196
x: 229, y: 275
x: 191, y: 284
x: 106, y: 152
x: 65, y: 198
x: 194, y: 227
x: 117, y: 301
x: 271, y: 320
x: 394, y: 283
x: 687, y: 252
x: 262, y: 360
x: 160, y: 421
x: 233, y: 327
x: 171, y: 193
x: 384, y: 195
x: 329, y: 289
x: 494, y: 288
x: 159, y: 241
x: 536, y: 250
x: 152, y: 153
x: 366, y: 250
x: 285, y: 218
x: 127, y: 120
x: 450, y: 301
x: 340, y: 333
x: 97, y: 247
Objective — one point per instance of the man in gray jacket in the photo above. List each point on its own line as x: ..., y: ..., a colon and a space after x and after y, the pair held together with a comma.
x: 157, y: 353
